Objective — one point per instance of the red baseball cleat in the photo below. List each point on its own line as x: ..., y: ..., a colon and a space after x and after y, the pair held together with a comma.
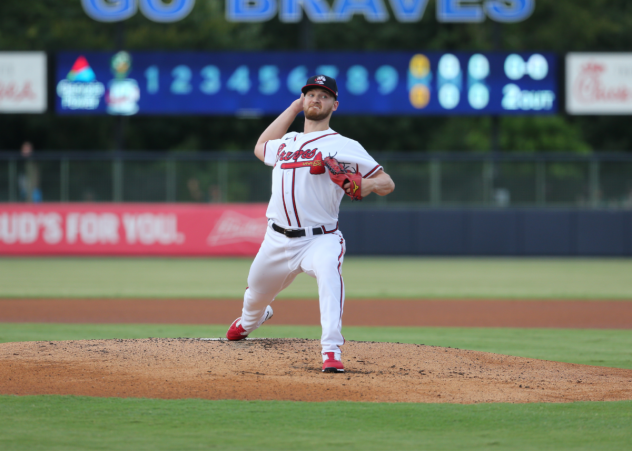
x: 237, y: 332
x: 332, y: 363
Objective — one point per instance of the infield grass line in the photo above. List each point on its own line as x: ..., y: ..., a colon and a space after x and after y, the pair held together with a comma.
x: 599, y: 347
x: 365, y: 278
x: 53, y: 423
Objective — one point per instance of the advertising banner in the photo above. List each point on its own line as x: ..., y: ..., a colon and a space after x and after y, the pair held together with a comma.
x: 599, y: 83
x: 132, y: 229
x: 259, y: 83
x: 23, y: 82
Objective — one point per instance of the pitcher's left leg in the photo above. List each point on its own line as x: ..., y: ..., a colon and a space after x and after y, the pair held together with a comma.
x: 324, y: 261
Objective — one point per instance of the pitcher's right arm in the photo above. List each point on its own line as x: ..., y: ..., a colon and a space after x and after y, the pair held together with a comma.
x: 279, y: 126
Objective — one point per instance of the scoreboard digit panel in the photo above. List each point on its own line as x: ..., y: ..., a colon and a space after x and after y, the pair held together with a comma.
x: 259, y: 83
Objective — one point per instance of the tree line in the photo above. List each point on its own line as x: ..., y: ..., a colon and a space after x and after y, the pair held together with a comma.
x: 559, y: 26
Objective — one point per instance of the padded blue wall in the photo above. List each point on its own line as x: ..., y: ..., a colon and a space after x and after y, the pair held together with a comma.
x: 511, y: 232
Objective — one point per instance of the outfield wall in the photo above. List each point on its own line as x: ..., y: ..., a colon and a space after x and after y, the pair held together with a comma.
x: 472, y: 232
x: 238, y: 229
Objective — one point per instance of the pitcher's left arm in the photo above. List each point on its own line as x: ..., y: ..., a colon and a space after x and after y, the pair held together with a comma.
x: 381, y: 184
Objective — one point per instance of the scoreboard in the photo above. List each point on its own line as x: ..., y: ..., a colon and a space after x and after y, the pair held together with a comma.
x: 265, y: 83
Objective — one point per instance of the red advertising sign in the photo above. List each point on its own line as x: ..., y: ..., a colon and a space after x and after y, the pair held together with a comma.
x: 132, y: 229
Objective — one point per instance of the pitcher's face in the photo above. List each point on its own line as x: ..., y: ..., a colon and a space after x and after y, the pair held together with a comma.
x: 319, y: 104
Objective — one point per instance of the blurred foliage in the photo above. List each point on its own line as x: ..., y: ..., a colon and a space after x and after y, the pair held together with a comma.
x: 533, y: 133
x: 556, y: 25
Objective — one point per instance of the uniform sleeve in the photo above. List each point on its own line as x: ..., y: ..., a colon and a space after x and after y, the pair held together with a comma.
x: 272, y: 148
x: 357, y: 158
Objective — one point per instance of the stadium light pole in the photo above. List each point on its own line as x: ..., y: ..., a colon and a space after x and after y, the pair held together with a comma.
x: 495, y: 137
x: 119, y: 131
x: 307, y: 34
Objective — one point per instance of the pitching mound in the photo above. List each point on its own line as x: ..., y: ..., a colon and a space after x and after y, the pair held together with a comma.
x: 290, y: 369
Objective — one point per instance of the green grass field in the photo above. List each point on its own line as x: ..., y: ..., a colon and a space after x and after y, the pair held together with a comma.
x: 75, y: 423
x: 62, y: 422
x: 364, y: 278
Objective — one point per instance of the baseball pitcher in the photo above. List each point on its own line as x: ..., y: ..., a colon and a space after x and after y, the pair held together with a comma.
x: 311, y: 173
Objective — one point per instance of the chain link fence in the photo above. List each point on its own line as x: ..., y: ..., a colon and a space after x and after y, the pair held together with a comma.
x: 422, y: 179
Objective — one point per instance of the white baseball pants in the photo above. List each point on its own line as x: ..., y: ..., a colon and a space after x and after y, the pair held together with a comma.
x: 280, y: 259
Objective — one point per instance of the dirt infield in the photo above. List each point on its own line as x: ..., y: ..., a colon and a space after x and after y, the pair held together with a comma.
x: 290, y: 369
x: 397, y: 313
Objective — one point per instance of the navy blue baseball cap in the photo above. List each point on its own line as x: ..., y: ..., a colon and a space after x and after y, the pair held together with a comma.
x: 321, y: 81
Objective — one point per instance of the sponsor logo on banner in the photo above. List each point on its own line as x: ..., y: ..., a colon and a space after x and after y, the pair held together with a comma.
x: 131, y: 229
x: 599, y: 83
x: 147, y: 228
x: 233, y: 227
x: 89, y: 228
x: 80, y: 90
x: 27, y: 227
x: 23, y: 82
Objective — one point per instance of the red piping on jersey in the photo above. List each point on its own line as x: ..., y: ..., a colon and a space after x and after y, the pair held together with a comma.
x: 368, y: 174
x: 283, y: 196
x: 342, y: 251
x: 294, y: 176
x: 330, y: 231
x: 294, y: 200
x: 307, y: 142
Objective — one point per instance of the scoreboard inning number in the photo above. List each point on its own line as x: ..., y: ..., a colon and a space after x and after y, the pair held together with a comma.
x: 269, y: 79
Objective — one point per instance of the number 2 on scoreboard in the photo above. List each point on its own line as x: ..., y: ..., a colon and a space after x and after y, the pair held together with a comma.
x: 181, y: 80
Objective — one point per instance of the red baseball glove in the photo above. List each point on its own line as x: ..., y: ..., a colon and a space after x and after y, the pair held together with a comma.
x: 344, y: 179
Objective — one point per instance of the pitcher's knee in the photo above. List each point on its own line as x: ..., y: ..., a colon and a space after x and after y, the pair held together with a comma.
x: 328, y: 268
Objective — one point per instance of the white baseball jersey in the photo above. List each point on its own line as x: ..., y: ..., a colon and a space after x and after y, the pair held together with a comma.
x: 303, y: 195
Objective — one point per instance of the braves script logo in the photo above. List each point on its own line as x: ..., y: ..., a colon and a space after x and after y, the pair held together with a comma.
x: 305, y: 154
x: 589, y: 87
x: 281, y: 147
x: 233, y: 227
x: 320, y: 79
x: 312, y: 160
